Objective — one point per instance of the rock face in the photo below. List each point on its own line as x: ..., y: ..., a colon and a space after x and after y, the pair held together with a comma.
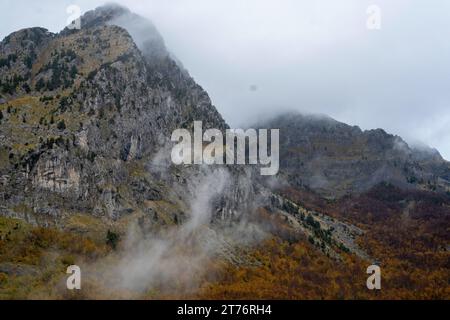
x: 86, y: 115
x: 335, y: 159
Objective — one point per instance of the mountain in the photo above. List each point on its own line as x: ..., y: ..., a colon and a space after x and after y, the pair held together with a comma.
x: 85, y: 113
x: 86, y: 178
x: 335, y: 159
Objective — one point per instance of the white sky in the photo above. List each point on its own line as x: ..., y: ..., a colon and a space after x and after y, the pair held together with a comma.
x: 314, y: 56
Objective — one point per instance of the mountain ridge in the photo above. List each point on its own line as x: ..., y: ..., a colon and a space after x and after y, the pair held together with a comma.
x: 336, y: 159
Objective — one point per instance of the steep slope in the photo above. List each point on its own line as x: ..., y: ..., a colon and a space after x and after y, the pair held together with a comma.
x: 335, y: 159
x: 85, y: 117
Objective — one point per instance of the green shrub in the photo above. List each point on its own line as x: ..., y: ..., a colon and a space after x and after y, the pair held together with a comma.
x: 112, y: 239
x: 61, y: 125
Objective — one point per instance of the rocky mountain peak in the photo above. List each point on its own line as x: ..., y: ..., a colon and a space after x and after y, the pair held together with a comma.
x: 335, y: 159
x: 86, y: 111
x: 142, y: 30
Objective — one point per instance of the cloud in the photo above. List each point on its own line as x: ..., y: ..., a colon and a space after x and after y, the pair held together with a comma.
x: 310, y: 56
x: 174, y: 259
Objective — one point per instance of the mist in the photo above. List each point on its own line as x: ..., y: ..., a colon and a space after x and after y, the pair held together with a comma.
x: 260, y: 57
x: 175, y: 259
x: 179, y: 254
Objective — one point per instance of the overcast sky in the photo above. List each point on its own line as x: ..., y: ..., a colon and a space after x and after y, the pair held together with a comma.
x: 256, y: 57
